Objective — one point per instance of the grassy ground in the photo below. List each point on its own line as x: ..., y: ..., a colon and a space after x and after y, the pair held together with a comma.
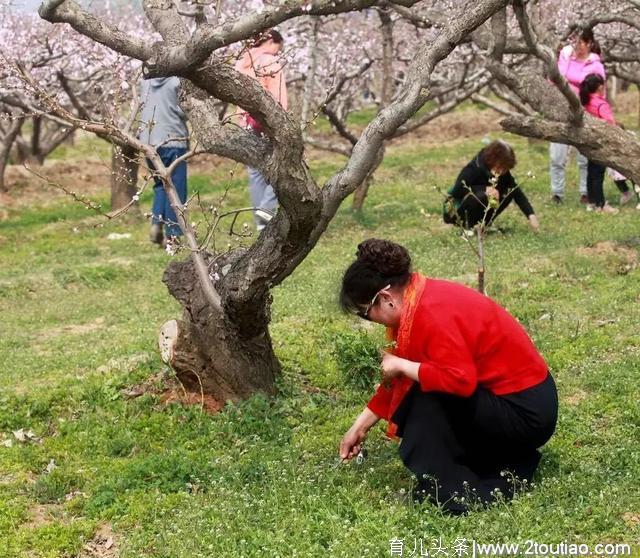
x: 110, y: 474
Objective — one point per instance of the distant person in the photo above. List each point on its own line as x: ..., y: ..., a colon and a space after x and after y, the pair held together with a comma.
x: 575, y: 62
x: 485, y: 188
x: 263, y: 63
x: 464, y: 388
x: 592, y: 97
x: 164, y: 126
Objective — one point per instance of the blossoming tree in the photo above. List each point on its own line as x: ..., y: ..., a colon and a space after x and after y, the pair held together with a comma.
x: 222, y: 344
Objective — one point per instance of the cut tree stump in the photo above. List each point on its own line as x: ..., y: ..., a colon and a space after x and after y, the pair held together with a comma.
x: 178, y: 351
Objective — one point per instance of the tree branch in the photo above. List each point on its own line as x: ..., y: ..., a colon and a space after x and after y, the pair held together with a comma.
x: 546, y: 54
x: 67, y: 11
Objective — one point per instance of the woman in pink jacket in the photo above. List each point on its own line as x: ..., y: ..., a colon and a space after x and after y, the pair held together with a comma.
x: 575, y: 62
x: 594, y: 102
x: 263, y: 62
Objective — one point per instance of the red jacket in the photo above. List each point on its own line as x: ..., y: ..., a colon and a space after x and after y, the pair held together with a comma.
x: 462, y: 340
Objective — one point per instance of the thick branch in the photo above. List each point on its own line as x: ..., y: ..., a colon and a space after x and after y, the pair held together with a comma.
x: 597, y: 140
x: 67, y: 11
x: 547, y: 55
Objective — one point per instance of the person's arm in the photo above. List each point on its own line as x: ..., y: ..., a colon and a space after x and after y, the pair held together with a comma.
x: 276, y: 85
x: 605, y: 112
x: 467, y: 182
x: 449, y: 366
x: 522, y: 201
x: 597, y: 67
x: 351, y: 442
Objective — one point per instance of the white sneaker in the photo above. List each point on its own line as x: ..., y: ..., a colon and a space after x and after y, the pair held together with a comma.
x: 606, y: 208
x: 266, y: 216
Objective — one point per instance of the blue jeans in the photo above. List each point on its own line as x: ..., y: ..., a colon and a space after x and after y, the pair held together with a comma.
x: 262, y: 194
x: 161, y: 211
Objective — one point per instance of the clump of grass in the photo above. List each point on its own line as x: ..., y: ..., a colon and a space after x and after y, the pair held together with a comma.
x: 358, y: 358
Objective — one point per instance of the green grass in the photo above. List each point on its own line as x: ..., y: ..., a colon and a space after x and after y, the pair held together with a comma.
x: 80, y: 316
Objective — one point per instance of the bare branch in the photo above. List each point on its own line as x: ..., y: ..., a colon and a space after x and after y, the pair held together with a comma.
x: 460, y: 96
x: 482, y: 100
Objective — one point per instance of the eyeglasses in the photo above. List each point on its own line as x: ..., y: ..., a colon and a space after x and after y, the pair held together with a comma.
x: 365, y: 314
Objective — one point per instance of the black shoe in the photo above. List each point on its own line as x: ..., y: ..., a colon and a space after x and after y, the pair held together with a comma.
x: 155, y: 234
x: 556, y: 199
x: 584, y: 199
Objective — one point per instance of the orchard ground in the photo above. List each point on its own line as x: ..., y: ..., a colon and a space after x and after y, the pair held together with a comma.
x: 112, y: 463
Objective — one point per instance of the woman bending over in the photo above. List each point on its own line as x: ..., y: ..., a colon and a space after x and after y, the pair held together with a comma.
x: 464, y: 389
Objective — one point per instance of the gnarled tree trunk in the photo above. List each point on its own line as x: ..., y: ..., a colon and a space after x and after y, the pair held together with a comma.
x: 221, y: 354
x: 5, y: 149
x: 124, y: 175
x: 361, y: 191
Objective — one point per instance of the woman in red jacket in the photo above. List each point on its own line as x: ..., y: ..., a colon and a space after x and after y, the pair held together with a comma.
x: 464, y: 388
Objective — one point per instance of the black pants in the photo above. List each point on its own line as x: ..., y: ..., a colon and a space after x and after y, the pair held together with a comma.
x: 472, y: 210
x: 622, y: 185
x: 459, y: 446
x: 595, y: 181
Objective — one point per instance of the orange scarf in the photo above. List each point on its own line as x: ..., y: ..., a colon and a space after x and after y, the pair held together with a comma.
x: 401, y: 385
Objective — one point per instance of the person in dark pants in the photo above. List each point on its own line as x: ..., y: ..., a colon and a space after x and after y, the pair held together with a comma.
x: 592, y: 96
x: 465, y: 388
x: 485, y: 188
x: 164, y: 126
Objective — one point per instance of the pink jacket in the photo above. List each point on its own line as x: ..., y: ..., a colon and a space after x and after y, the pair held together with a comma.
x: 575, y: 70
x: 600, y: 108
x: 268, y: 69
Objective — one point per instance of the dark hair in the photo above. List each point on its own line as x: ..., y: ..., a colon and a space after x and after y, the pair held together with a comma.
x: 589, y: 86
x: 273, y: 35
x: 586, y: 34
x: 378, y: 263
x: 499, y: 153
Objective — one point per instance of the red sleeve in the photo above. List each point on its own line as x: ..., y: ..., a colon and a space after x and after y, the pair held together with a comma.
x: 381, y: 401
x: 449, y: 365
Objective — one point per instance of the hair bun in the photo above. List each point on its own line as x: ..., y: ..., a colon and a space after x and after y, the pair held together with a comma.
x: 384, y: 256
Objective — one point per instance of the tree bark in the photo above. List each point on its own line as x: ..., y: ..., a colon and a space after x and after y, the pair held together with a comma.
x: 217, y: 353
x: 362, y: 191
x: 124, y: 175
x: 5, y: 149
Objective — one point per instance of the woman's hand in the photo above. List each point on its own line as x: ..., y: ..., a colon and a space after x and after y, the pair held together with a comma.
x: 352, y: 442
x: 493, y: 193
x: 534, y: 223
x: 393, y: 366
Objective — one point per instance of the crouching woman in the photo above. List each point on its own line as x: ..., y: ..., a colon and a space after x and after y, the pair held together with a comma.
x: 464, y: 389
x: 484, y: 189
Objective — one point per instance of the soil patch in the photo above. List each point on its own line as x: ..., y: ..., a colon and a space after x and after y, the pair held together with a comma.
x: 576, y: 397
x: 86, y: 178
x: 177, y: 394
x: 102, y: 545
x: 456, y: 125
x: 170, y: 390
x: 624, y: 258
x: 74, y: 329
x: 43, y: 514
